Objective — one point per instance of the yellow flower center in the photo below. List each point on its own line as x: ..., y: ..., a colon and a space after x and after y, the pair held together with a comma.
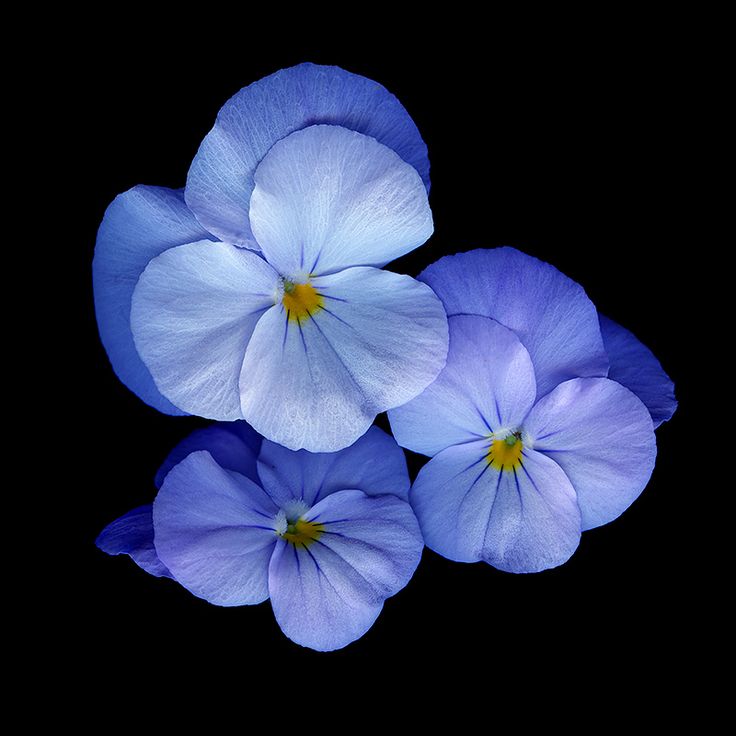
x: 301, y: 301
x: 505, y: 454
x: 301, y: 532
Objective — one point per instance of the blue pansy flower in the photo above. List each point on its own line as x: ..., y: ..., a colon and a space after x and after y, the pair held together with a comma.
x: 238, y: 520
x: 257, y: 292
x: 554, y: 319
x: 517, y: 475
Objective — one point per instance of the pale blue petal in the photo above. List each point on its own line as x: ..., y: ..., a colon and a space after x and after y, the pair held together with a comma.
x: 551, y: 314
x: 328, y: 594
x: 487, y: 386
x: 139, y: 225
x: 524, y: 520
x: 194, y: 310
x: 132, y: 534
x: 215, y: 531
x: 220, y: 180
x: 380, y: 339
x: 327, y: 198
x: 374, y: 464
x: 634, y: 365
x: 233, y: 445
x: 602, y: 436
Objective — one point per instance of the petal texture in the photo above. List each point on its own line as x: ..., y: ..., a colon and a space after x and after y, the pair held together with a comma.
x: 487, y: 386
x: 139, y: 225
x: 602, y: 436
x: 327, y: 198
x: 524, y: 520
x: 214, y: 530
x: 132, y: 534
x: 374, y: 464
x: 634, y: 365
x: 551, y: 314
x: 328, y: 594
x: 220, y: 180
x: 194, y: 310
x: 379, y: 340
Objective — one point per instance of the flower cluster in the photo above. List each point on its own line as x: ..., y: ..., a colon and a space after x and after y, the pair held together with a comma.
x: 256, y: 297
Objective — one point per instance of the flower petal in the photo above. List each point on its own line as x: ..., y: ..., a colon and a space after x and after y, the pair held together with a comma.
x: 379, y: 340
x: 233, y: 445
x: 374, y: 464
x: 139, y: 225
x: 194, y: 309
x: 132, y: 534
x: 329, y: 594
x: 602, y: 436
x: 214, y: 529
x: 327, y: 198
x: 524, y: 520
x: 634, y: 365
x: 551, y: 314
x: 220, y: 180
x: 487, y: 386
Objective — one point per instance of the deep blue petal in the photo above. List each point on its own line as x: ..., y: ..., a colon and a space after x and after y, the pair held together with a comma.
x: 634, y: 365
x: 132, y: 534
x: 220, y: 180
x: 139, y: 225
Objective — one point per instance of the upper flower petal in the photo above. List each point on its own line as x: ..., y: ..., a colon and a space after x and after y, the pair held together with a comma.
x: 220, y: 180
x: 487, y: 386
x: 377, y: 342
x: 139, y: 225
x: 194, y: 309
x: 551, y: 314
x: 374, y: 464
x: 602, y: 436
x: 327, y: 198
x: 132, y: 534
x: 525, y: 520
x: 214, y: 530
x: 233, y: 445
x: 329, y: 593
x: 634, y: 365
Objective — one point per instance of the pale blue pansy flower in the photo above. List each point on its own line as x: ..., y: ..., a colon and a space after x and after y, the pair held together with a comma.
x: 257, y: 293
x: 238, y: 520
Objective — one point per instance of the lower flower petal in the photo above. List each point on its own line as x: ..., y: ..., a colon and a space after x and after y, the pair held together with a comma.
x: 520, y: 520
x: 194, y: 309
x: 139, y: 225
x: 602, y: 436
x: 132, y: 534
x: 214, y: 530
x: 374, y: 464
x: 329, y: 593
x: 634, y: 365
x: 378, y: 340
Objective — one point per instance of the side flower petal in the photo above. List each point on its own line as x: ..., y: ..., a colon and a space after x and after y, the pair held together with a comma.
x: 139, y: 225
x: 487, y: 386
x: 634, y: 365
x: 214, y: 530
x: 327, y: 198
x: 520, y: 520
x: 220, y: 180
x: 378, y: 340
x: 194, y: 309
x: 374, y: 464
x: 551, y: 314
x: 602, y: 436
x: 329, y: 593
x: 233, y: 445
x: 132, y: 534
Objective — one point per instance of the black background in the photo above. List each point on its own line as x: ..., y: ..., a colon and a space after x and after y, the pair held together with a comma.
x: 560, y: 146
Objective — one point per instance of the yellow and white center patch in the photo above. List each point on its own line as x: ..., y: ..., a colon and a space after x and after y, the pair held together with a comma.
x: 302, y: 533
x: 505, y: 454
x: 301, y: 301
